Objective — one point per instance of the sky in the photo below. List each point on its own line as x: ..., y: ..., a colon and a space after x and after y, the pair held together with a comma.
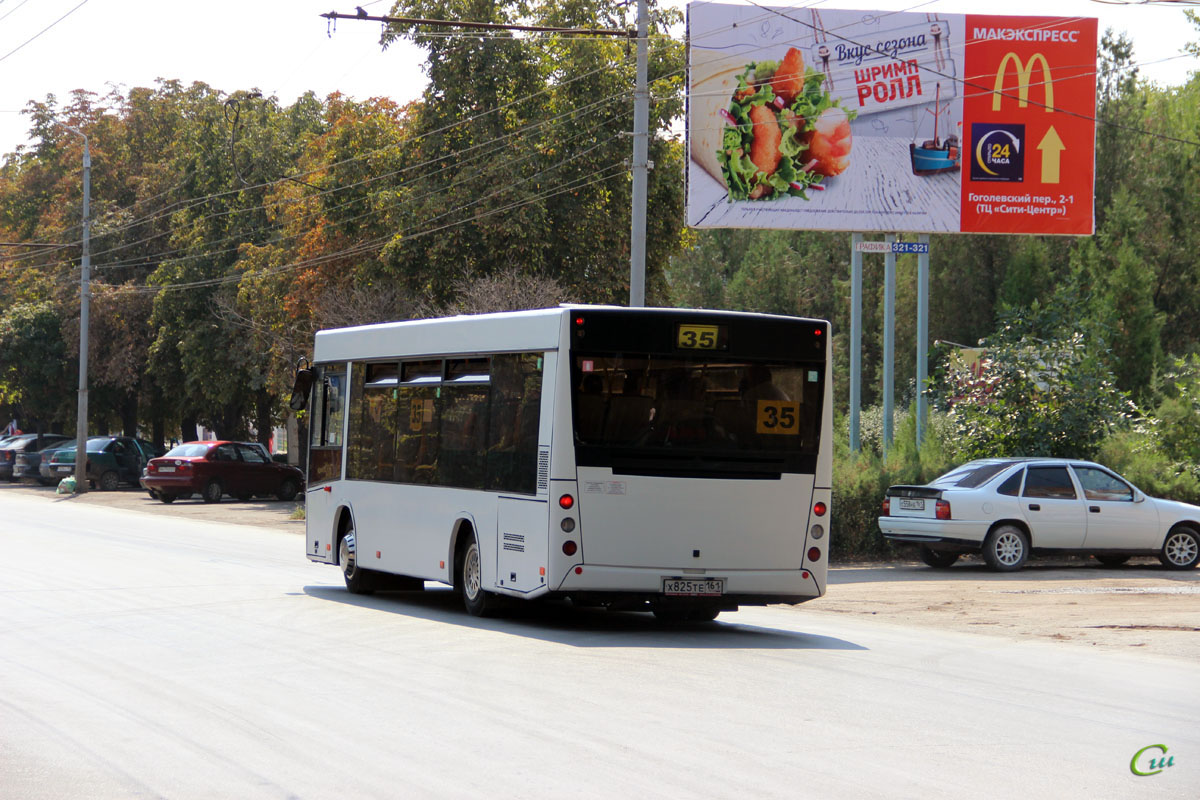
x: 284, y: 48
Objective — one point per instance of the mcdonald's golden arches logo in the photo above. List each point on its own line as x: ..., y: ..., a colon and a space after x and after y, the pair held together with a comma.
x: 1024, y: 72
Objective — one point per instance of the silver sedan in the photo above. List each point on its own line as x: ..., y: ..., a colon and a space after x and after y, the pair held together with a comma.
x: 1006, y: 508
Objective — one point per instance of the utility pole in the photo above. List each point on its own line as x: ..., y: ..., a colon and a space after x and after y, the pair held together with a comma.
x: 85, y: 294
x: 641, y: 147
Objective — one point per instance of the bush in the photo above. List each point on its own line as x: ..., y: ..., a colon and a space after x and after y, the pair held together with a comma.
x: 1136, y: 455
x: 861, y: 479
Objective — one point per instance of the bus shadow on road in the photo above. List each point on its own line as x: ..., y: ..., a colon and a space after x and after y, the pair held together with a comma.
x: 585, y: 627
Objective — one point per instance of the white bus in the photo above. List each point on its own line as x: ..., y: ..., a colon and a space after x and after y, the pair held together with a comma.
x: 667, y: 460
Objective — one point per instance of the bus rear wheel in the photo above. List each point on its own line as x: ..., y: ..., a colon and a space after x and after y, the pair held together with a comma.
x: 478, y: 601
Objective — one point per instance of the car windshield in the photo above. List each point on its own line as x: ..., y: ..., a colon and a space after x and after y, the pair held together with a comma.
x: 190, y: 450
x: 972, y: 475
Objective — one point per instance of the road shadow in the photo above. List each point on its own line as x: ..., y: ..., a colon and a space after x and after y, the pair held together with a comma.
x: 563, y: 623
x: 1049, y: 569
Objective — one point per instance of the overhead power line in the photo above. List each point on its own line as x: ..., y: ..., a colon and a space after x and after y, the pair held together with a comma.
x: 487, y: 26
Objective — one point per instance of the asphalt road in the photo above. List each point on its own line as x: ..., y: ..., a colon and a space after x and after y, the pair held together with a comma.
x: 147, y: 656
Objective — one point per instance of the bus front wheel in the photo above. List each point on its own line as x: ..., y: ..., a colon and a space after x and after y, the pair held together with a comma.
x: 478, y: 601
x: 358, y: 580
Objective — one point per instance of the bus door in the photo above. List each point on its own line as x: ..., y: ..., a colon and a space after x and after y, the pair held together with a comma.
x: 326, y: 418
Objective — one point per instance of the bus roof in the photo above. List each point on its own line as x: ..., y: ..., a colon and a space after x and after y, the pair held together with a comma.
x: 505, y: 331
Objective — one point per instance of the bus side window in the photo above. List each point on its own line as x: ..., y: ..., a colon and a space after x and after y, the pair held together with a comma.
x: 463, y: 411
x: 513, y: 415
x: 373, y: 422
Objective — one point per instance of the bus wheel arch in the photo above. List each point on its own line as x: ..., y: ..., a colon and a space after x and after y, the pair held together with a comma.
x: 462, y: 532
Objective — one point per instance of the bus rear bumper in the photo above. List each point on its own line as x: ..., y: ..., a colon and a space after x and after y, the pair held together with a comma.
x: 740, y: 587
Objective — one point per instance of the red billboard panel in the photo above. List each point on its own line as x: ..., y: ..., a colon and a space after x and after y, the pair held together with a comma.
x: 1029, y: 103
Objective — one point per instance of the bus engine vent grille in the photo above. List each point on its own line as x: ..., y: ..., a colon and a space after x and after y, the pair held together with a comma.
x: 543, y: 478
x: 514, y: 542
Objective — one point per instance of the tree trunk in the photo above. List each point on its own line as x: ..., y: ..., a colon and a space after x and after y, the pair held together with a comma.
x: 158, y: 433
x: 187, y: 428
x: 129, y: 414
x: 262, y: 417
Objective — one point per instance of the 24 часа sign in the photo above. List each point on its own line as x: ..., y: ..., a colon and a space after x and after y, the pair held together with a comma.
x: 800, y: 118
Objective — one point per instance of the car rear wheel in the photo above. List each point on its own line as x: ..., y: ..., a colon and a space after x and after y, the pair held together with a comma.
x: 1111, y: 559
x: 288, y: 489
x: 166, y: 498
x: 1181, y: 550
x: 940, y: 559
x: 213, y: 491
x: 1006, y: 548
x: 109, y: 481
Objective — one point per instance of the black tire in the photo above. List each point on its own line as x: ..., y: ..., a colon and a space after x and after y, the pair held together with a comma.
x: 477, y: 600
x: 1111, y: 559
x: 213, y: 490
x: 703, y: 614
x: 358, y: 580
x: 153, y: 494
x: 288, y: 489
x: 109, y: 481
x: 166, y: 498
x: 245, y: 498
x: 938, y: 559
x: 1181, y: 549
x: 1006, y: 548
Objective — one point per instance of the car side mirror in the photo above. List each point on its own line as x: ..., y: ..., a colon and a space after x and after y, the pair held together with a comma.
x: 301, y: 386
x: 1138, y: 497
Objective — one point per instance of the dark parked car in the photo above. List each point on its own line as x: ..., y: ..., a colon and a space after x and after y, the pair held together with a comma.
x: 215, y: 469
x: 111, y: 460
x: 45, y: 476
x: 19, y: 457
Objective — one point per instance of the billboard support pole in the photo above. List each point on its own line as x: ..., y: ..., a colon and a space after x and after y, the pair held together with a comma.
x: 856, y: 268
x: 889, y: 339
x: 922, y: 336
x: 641, y: 136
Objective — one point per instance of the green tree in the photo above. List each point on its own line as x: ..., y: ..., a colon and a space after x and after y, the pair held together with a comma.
x: 1045, y: 388
x: 35, y: 375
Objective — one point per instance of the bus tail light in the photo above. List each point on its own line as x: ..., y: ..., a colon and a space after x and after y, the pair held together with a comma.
x: 816, y: 531
x: 820, y: 508
x: 567, y: 525
x: 814, y: 554
x: 887, y: 507
x: 570, y: 548
x: 566, y: 502
x: 943, y: 509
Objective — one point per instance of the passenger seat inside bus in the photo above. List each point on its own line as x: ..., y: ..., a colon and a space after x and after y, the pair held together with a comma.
x: 628, y: 416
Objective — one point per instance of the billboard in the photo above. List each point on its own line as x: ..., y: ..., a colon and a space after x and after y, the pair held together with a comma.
x: 800, y: 118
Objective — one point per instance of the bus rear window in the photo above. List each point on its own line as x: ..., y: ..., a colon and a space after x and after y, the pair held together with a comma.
x: 702, y: 403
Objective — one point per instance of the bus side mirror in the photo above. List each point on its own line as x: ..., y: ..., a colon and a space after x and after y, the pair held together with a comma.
x: 301, y: 386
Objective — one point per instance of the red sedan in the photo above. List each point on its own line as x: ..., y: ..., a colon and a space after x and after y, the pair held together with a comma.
x: 215, y: 469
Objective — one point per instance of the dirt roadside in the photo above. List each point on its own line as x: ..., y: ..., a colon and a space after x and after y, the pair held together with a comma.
x: 1139, y: 607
